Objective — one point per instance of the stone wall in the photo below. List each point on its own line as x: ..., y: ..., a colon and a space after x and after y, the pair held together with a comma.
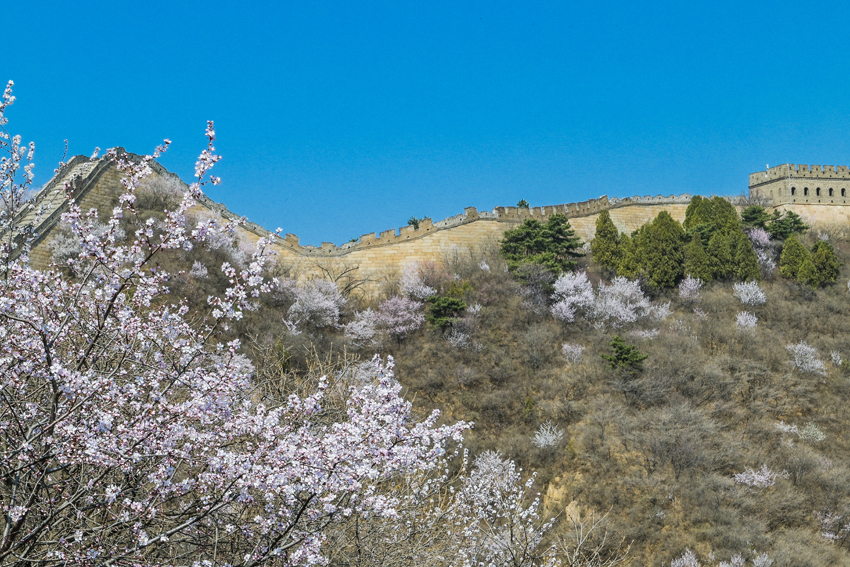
x: 798, y: 184
x: 375, y: 257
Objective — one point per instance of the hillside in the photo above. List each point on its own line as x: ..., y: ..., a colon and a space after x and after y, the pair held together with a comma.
x: 683, y: 418
x: 720, y: 443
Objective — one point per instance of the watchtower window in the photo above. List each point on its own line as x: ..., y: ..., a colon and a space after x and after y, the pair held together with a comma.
x: 794, y: 190
x: 830, y: 191
x: 805, y: 191
x: 817, y: 191
x: 843, y: 192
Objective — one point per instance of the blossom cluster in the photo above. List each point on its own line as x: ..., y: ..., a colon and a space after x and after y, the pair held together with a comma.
x: 126, y: 426
x: 617, y: 304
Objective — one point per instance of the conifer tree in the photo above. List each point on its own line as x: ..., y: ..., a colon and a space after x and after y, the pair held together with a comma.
x: 754, y: 216
x: 825, y: 261
x: 721, y: 254
x: 792, y: 258
x: 624, y: 356
x: 605, y: 245
x: 745, y: 261
x: 552, y: 244
x: 808, y: 273
x: 697, y: 262
x: 629, y: 266
x: 782, y: 226
x: 661, y: 251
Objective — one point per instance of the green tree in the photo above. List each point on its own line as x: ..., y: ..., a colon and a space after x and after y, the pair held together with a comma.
x: 715, y: 213
x: 552, y: 244
x: 825, y: 261
x: 808, y: 273
x: 660, y: 251
x: 606, y: 242
x: 721, y: 254
x: 522, y: 204
x: 783, y: 226
x: 414, y: 222
x: 697, y: 262
x: 754, y: 216
x: 442, y: 311
x: 745, y: 264
x: 629, y: 266
x: 792, y: 258
x: 624, y: 356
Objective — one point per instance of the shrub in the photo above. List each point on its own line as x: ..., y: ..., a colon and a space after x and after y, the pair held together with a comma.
x: 412, y: 284
x: 547, y: 435
x: 443, y: 311
x: 746, y: 320
x: 399, y: 316
x: 572, y: 352
x: 762, y: 478
x: 806, y: 359
x: 625, y: 356
x: 749, y: 293
x: 689, y: 288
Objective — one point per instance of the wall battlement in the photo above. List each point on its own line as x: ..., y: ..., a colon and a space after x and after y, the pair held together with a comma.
x: 789, y: 184
x: 512, y: 215
x: 799, y: 171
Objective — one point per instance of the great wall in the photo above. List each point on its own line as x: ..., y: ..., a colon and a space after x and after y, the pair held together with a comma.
x: 375, y: 257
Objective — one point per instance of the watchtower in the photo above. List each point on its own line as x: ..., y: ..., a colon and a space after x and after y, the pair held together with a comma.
x: 802, y: 184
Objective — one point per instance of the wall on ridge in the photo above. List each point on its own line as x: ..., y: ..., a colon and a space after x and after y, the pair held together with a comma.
x: 380, y: 263
x: 376, y: 257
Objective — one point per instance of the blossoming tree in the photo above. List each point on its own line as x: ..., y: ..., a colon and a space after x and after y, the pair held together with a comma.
x: 130, y: 435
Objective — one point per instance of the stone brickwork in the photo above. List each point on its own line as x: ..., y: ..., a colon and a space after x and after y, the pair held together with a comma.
x: 374, y: 256
x: 378, y: 256
x: 792, y: 184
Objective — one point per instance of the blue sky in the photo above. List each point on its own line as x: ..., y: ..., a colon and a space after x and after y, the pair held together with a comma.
x: 337, y: 119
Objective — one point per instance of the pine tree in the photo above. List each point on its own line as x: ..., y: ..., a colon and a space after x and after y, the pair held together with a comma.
x: 629, y: 266
x: 624, y: 356
x: 564, y: 242
x: 605, y: 245
x: 745, y: 262
x: 552, y: 244
x: 792, y: 258
x: 660, y: 251
x: 754, y: 216
x: 808, y: 273
x: 825, y: 261
x: 721, y: 255
x: 782, y: 226
x: 697, y: 262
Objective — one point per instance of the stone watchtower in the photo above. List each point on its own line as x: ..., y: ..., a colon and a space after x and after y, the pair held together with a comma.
x: 792, y: 184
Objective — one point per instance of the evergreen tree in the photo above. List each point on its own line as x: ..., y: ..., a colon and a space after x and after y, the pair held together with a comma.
x: 697, y: 262
x: 552, y: 244
x: 660, y: 251
x: 605, y: 245
x: 624, y: 356
x: 808, y: 273
x: 783, y: 226
x: 721, y: 255
x: 754, y: 216
x: 792, y: 258
x: 442, y: 311
x: 715, y: 213
x: 745, y: 262
x: 825, y: 261
x: 629, y: 266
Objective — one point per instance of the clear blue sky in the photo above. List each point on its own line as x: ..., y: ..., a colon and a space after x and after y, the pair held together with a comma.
x: 337, y: 119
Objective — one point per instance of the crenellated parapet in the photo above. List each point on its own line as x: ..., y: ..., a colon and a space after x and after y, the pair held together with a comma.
x: 510, y: 215
x: 790, y: 184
